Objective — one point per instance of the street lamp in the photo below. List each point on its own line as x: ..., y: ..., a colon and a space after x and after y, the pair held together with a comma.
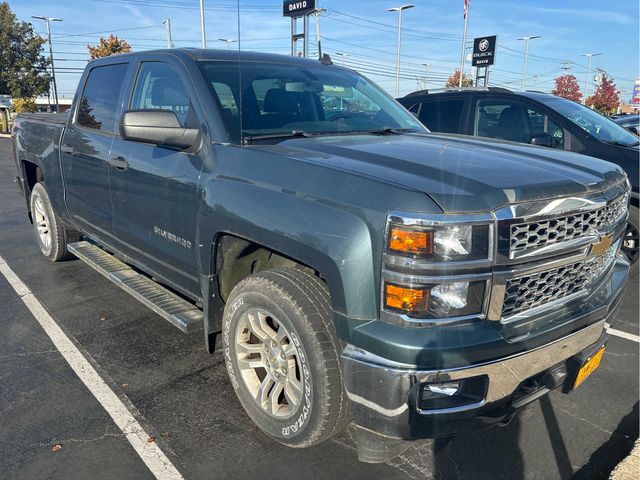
x: 53, y: 70
x: 229, y: 41
x: 586, y: 82
x: 526, y: 56
x: 399, y: 10
x: 343, y: 56
x: 426, y: 73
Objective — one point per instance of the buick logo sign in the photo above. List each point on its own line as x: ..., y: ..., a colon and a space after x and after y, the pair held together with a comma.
x: 484, y: 51
x: 484, y: 44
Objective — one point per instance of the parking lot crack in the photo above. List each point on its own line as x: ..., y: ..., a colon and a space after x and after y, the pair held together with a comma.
x: 585, y: 420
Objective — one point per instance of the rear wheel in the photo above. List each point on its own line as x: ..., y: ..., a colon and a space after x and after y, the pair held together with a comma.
x: 282, y: 356
x: 52, y: 236
x: 632, y: 236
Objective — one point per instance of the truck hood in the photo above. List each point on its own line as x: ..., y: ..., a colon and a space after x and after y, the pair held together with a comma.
x: 461, y: 174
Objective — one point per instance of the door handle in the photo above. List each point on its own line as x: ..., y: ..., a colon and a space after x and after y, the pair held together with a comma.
x: 67, y: 149
x: 119, y: 163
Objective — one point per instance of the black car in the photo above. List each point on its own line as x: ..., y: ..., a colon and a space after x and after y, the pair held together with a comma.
x: 536, y: 118
x: 630, y: 122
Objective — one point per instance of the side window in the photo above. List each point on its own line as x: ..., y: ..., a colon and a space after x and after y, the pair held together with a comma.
x: 158, y: 86
x: 540, y: 123
x: 442, y: 115
x: 99, y: 101
x: 513, y: 121
x: 225, y: 95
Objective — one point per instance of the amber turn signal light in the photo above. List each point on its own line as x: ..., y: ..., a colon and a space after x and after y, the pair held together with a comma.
x: 415, y: 242
x: 406, y: 299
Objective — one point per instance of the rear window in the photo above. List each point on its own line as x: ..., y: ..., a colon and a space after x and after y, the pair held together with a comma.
x: 442, y: 116
x: 99, y: 101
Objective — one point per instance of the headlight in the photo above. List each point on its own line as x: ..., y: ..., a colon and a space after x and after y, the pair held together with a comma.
x: 436, y: 267
x: 436, y: 300
x: 440, y: 243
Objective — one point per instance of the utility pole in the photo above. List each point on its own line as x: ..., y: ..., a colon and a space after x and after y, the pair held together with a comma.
x: 317, y: 13
x: 204, y: 35
x: 586, y: 82
x: 167, y: 26
x: 399, y: 10
x: 565, y: 68
x: 526, y: 57
x: 426, y: 73
x: 228, y: 41
x: 53, y: 69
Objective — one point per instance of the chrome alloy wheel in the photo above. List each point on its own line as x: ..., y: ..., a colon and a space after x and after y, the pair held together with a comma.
x: 268, y: 362
x: 42, y: 224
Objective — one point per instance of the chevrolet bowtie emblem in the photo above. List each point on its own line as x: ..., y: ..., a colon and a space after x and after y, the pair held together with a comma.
x: 600, y: 247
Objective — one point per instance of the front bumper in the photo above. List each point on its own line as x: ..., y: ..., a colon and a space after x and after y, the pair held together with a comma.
x: 384, y: 394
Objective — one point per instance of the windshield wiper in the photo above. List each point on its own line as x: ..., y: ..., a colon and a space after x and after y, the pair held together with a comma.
x: 620, y: 144
x: 389, y: 131
x: 267, y: 136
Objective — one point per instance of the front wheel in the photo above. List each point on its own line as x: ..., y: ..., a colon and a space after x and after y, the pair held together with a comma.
x: 282, y: 356
x: 631, y: 236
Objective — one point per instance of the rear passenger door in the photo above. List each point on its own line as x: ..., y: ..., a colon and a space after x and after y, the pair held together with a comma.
x: 85, y: 147
x: 443, y: 115
x: 154, y: 189
x: 516, y: 120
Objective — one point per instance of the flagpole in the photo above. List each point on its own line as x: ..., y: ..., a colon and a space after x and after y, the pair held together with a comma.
x: 464, y: 41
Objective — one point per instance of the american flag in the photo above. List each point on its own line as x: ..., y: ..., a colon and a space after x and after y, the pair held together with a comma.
x: 466, y: 7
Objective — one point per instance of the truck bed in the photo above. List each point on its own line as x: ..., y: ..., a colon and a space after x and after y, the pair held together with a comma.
x: 60, y: 118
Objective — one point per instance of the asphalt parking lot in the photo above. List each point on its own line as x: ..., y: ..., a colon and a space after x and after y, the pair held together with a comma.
x: 51, y: 426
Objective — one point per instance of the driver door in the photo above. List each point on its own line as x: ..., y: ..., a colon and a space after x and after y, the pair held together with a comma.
x: 154, y: 189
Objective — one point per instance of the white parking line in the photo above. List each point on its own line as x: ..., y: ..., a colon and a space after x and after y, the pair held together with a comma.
x: 621, y: 334
x: 149, y: 452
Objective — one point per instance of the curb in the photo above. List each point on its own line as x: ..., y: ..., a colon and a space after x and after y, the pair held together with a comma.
x: 629, y: 468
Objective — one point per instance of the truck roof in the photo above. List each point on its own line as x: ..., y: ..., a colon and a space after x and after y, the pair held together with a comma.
x: 213, y: 54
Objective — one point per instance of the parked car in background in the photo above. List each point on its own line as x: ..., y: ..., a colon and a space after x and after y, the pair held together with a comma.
x: 536, y: 118
x: 630, y: 122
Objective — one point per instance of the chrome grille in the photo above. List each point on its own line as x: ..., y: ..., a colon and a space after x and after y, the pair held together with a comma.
x: 530, y: 291
x: 532, y: 235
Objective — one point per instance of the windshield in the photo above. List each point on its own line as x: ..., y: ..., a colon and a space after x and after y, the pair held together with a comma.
x: 285, y: 99
x: 592, y: 122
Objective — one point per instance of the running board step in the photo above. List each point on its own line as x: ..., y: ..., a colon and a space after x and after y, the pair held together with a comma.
x: 184, y: 315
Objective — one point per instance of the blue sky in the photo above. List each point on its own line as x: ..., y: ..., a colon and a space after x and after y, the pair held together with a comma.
x: 366, y: 33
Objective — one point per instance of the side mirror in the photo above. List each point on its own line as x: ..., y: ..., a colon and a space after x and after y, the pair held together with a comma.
x: 542, y: 140
x: 159, y: 127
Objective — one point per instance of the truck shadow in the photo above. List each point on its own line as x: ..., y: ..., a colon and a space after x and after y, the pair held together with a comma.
x: 497, y: 453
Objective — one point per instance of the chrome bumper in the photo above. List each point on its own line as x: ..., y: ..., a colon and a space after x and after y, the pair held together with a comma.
x: 383, y: 394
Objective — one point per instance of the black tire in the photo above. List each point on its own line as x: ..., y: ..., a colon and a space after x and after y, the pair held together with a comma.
x: 55, y: 249
x: 299, y: 302
x: 631, y: 239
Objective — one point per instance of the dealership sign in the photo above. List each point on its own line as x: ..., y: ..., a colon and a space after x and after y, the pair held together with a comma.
x: 298, y: 8
x: 484, y: 51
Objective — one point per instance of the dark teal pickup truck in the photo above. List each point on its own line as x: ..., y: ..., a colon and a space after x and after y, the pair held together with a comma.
x: 350, y: 266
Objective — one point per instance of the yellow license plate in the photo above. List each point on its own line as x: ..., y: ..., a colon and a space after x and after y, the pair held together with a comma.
x: 589, y: 366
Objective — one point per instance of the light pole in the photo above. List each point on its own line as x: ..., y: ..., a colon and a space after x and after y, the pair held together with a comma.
x: 426, y: 73
x: 399, y: 10
x: 167, y: 25
x: 586, y: 82
x: 342, y: 55
x: 202, y: 32
x: 229, y: 41
x: 526, y: 57
x: 53, y: 70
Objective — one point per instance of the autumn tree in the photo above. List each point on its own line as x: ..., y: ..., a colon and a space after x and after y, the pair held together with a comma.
x: 109, y: 46
x: 23, y: 68
x: 454, y: 80
x: 605, y: 98
x: 567, y: 87
x: 23, y: 105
